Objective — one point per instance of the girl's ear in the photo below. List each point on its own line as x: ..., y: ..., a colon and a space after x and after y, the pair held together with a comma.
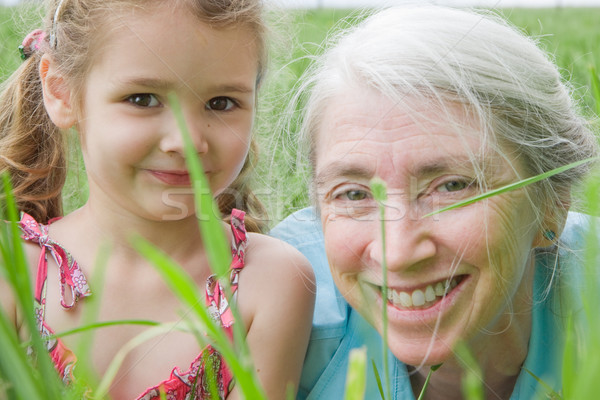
x: 57, y: 94
x: 552, y: 224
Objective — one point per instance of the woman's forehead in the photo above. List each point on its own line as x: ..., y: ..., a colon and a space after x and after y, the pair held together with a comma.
x: 359, y: 118
x: 374, y: 135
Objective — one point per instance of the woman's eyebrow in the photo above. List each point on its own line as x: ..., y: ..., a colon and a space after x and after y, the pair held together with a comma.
x: 446, y: 164
x: 342, y: 168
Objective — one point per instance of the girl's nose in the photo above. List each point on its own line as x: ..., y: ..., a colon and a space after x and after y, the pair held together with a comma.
x: 172, y: 141
x: 408, y: 241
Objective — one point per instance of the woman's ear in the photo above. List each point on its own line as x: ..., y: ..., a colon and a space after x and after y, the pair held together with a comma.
x: 57, y: 94
x: 553, y: 224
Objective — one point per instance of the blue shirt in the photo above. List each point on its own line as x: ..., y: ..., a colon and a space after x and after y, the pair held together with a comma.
x: 337, y: 328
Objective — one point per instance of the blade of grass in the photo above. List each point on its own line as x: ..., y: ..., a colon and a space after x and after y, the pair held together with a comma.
x: 96, y: 325
x: 595, y: 88
x: 186, y: 290
x: 356, y: 378
x: 15, y: 367
x: 117, y: 361
x: 216, y: 244
x: 379, y: 191
x: 512, y: 186
x: 214, y: 239
x: 472, y: 381
x: 585, y: 382
x: 424, y: 389
x: 378, y: 380
x: 17, y: 274
x: 85, y: 372
x: 549, y: 392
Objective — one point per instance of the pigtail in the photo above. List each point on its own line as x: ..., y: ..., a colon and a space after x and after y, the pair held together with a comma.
x: 31, y: 146
x: 239, y: 195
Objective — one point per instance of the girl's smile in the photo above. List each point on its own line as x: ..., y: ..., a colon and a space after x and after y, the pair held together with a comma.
x: 174, y: 178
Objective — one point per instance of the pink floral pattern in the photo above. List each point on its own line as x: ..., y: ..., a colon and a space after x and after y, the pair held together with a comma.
x: 188, y: 385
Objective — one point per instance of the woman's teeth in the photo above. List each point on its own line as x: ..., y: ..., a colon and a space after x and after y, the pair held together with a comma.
x: 421, y: 298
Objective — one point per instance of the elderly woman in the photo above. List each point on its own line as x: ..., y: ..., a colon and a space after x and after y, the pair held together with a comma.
x: 442, y: 105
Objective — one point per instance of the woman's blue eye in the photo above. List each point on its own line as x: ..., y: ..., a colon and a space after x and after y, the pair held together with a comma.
x: 453, y: 186
x: 220, y: 103
x: 144, y: 100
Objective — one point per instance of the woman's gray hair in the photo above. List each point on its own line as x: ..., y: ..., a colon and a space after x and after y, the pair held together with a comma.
x: 477, y: 60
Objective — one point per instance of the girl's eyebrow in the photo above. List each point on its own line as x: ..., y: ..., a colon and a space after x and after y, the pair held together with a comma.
x: 238, y: 88
x: 152, y: 83
x: 164, y: 84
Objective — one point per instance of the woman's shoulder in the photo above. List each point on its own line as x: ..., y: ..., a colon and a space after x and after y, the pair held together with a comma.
x: 577, y: 229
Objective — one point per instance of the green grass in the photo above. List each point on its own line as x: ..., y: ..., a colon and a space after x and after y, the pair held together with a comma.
x: 570, y: 34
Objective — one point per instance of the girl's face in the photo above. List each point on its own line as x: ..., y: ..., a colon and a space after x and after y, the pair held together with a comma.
x: 459, y: 274
x: 132, y: 147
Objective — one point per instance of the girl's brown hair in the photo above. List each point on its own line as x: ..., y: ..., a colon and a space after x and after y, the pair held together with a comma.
x: 32, y: 148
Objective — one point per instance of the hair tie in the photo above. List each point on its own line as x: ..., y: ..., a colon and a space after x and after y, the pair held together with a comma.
x: 54, y: 29
x: 32, y: 43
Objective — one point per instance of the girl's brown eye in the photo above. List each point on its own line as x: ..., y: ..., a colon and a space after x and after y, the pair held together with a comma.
x: 220, y: 104
x: 143, y: 100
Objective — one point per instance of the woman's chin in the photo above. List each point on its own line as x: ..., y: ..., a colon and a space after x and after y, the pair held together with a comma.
x: 420, y: 356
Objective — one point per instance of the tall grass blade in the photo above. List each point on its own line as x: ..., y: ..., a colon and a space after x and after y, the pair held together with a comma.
x: 512, y: 186
x: 217, y: 247
x: 85, y: 371
x: 378, y: 380
x: 595, y: 88
x: 218, y: 252
x: 186, y: 290
x: 426, y: 384
x: 586, y: 345
x: 356, y: 378
x: 44, y: 378
x: 210, y: 222
x: 472, y: 382
x: 117, y: 361
x: 547, y: 391
x: 379, y: 191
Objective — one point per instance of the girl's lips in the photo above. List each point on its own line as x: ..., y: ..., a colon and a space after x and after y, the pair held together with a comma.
x: 175, y: 178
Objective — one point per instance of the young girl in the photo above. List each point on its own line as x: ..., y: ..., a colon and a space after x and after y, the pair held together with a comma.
x: 105, y: 67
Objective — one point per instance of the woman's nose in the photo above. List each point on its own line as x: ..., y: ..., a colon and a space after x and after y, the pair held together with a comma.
x: 408, y: 240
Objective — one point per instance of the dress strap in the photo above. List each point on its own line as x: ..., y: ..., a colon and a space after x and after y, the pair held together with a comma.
x: 217, y: 303
x: 71, y: 276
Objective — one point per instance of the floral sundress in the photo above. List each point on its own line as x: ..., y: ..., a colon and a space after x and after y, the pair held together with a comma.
x: 181, y: 385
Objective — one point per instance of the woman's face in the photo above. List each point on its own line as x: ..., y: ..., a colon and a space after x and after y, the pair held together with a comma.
x: 457, y: 275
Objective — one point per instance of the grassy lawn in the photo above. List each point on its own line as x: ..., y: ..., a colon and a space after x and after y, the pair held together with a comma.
x: 569, y: 34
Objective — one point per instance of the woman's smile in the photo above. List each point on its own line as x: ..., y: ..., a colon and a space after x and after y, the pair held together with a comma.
x: 450, y: 275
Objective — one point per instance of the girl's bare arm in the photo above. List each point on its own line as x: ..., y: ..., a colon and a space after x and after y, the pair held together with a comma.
x: 278, y: 284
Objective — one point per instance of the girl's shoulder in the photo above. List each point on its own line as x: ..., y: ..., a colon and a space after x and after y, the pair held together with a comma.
x: 276, y: 270
x: 275, y: 257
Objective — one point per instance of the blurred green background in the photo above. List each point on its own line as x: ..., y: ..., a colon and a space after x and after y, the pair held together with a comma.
x: 571, y: 35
